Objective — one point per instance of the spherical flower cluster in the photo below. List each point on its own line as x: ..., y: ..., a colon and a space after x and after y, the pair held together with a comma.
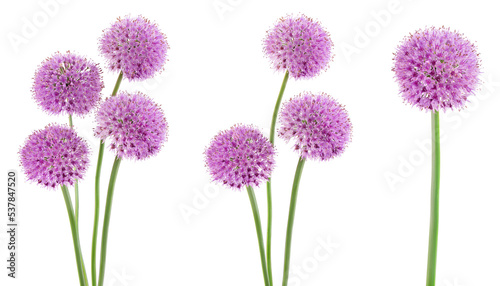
x: 319, y: 125
x: 54, y: 156
x: 436, y: 69
x: 135, y: 125
x: 134, y: 46
x: 67, y: 83
x: 299, y: 45
x: 240, y: 157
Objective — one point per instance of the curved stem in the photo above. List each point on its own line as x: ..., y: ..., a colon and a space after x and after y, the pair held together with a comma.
x: 291, y: 217
x: 77, y: 207
x: 96, y: 213
x: 107, y: 216
x: 277, y: 107
x: 77, y: 203
x: 97, y: 193
x: 77, y: 196
x: 258, y: 227
x: 117, y: 84
x: 74, y: 233
x: 269, y: 193
x: 434, y: 221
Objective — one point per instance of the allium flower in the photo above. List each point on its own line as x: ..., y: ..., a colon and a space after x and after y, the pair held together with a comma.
x: 54, y: 156
x: 67, y: 83
x: 240, y: 157
x: 299, y: 45
x: 436, y: 69
x: 135, y: 46
x: 319, y: 125
x: 135, y: 124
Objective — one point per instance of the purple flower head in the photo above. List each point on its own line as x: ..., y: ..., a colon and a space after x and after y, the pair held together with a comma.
x: 299, y: 45
x: 135, y: 125
x: 54, y: 156
x: 134, y: 46
x: 436, y: 69
x: 319, y: 125
x: 68, y: 83
x: 240, y: 157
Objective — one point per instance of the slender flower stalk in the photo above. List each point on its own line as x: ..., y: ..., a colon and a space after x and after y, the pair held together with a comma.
x: 434, y: 221
x: 75, y: 235
x: 77, y: 210
x: 137, y: 129
x: 242, y: 157
x: 96, y: 213
x: 98, y: 194
x: 258, y: 228
x: 117, y: 84
x: 321, y: 129
x: 107, y: 216
x: 437, y: 70
x: 291, y: 218
x: 277, y: 108
x: 77, y: 195
x: 56, y: 156
x: 269, y: 193
x: 303, y: 48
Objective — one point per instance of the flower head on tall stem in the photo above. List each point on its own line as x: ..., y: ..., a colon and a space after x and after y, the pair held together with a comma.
x: 68, y: 83
x: 134, y: 124
x: 300, y: 45
x: 54, y: 156
x: 318, y: 124
x: 135, y: 46
x: 240, y: 156
x: 437, y: 69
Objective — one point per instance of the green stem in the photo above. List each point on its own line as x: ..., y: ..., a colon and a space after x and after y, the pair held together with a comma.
x: 107, y: 216
x: 96, y: 212
x: 77, y: 206
x: 434, y: 221
x: 77, y: 201
x: 269, y: 193
x: 277, y: 108
x: 74, y: 233
x: 291, y: 217
x: 117, y: 84
x: 258, y: 227
x: 97, y: 193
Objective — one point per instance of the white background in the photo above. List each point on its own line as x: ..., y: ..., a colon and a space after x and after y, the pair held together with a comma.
x: 217, y: 76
